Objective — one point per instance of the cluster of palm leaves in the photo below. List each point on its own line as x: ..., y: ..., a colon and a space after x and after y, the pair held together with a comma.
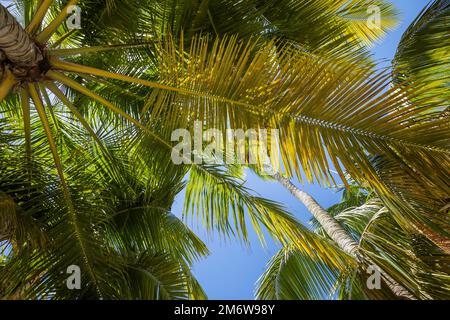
x: 86, y: 176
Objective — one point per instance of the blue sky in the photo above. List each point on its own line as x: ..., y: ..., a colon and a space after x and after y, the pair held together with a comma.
x: 232, y: 269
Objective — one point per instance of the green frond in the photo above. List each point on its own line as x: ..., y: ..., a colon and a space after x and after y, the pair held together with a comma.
x: 422, y: 57
x: 294, y: 275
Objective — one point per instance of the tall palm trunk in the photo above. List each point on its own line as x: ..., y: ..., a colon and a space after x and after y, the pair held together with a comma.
x: 331, y: 226
x: 16, y: 44
x: 338, y: 234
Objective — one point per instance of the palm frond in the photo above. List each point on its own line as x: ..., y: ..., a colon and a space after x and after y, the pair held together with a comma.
x: 422, y: 56
x: 294, y: 275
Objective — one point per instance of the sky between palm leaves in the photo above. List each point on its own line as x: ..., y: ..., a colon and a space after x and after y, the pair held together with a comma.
x: 232, y: 269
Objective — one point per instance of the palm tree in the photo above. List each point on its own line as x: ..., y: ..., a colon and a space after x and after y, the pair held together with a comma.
x: 41, y: 248
x: 317, y: 86
x: 422, y: 66
x: 415, y: 261
x: 338, y: 234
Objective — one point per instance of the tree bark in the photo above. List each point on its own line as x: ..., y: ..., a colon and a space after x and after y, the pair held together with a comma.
x: 15, y: 42
x: 331, y: 226
x: 338, y: 234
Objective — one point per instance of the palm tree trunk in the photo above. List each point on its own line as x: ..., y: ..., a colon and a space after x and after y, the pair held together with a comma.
x: 331, y: 226
x: 338, y: 234
x: 16, y: 44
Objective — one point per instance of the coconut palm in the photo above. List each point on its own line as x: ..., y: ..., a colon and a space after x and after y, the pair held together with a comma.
x: 338, y: 234
x: 391, y: 241
x: 317, y: 86
x: 128, y: 244
x: 381, y: 246
x: 421, y: 61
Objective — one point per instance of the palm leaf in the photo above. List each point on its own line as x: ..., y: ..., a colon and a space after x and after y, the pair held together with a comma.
x: 422, y: 56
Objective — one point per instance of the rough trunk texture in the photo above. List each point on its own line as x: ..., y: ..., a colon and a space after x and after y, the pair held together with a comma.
x: 338, y: 234
x: 15, y: 43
